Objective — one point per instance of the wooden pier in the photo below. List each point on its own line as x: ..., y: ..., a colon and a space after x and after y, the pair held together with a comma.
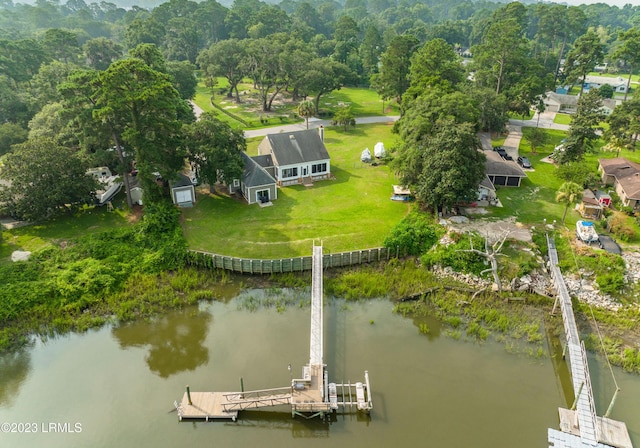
x: 580, y: 427
x: 310, y: 396
x: 204, y: 406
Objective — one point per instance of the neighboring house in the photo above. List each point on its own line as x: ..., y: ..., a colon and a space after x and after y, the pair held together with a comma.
x: 182, y: 192
x: 257, y: 185
x: 624, y: 175
x: 502, y: 172
x: 619, y: 84
x: 590, y: 207
x: 608, y: 105
x: 297, y: 157
x: 560, y: 102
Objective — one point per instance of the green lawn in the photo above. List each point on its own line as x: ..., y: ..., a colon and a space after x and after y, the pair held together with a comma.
x: 363, y: 101
x: 562, y: 118
x: 534, y: 200
x: 353, y: 211
x: 37, y: 236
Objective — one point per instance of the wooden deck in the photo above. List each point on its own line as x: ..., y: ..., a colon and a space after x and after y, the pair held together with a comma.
x: 205, y: 406
x: 310, y: 399
x: 612, y: 432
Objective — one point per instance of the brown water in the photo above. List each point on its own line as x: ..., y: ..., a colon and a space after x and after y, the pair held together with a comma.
x: 118, y: 384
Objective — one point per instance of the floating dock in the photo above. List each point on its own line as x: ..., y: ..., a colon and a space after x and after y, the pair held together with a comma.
x: 310, y: 396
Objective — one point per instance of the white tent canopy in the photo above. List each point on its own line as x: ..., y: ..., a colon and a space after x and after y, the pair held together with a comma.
x: 379, y: 151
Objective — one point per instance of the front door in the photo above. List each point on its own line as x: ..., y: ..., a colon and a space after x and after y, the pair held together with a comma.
x: 304, y: 171
x: 262, y: 196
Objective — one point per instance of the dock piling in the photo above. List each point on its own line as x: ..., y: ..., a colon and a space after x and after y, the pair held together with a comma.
x: 189, y: 395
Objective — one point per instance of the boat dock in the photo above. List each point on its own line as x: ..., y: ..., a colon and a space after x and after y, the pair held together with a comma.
x: 310, y: 396
x: 580, y: 426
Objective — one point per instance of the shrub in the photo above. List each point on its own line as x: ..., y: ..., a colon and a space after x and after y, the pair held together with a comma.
x: 414, y: 235
x: 454, y: 255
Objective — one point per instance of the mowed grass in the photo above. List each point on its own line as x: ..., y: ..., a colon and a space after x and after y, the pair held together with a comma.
x: 353, y: 211
x: 562, y: 118
x: 534, y: 200
x: 37, y: 236
x: 363, y: 101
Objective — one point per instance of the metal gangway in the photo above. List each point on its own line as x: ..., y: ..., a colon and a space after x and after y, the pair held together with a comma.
x: 310, y: 396
x: 580, y: 426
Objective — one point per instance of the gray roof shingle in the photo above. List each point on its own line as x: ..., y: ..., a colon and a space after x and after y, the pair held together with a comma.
x: 291, y: 148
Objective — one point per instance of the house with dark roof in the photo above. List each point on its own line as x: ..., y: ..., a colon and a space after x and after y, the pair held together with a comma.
x: 257, y: 185
x: 502, y: 172
x: 624, y: 175
x: 298, y: 157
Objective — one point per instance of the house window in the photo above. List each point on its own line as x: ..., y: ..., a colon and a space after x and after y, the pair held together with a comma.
x: 236, y: 183
x: 319, y: 168
x: 289, y: 172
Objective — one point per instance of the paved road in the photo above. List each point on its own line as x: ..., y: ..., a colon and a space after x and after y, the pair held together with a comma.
x: 512, y: 142
x: 314, y: 123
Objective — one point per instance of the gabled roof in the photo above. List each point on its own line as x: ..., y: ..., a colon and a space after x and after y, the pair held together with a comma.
x: 264, y: 161
x: 627, y: 174
x: 486, y: 183
x: 588, y: 198
x: 291, y: 148
x: 561, y: 98
x: 181, y: 181
x: 613, y: 82
x: 496, y: 166
x: 254, y: 175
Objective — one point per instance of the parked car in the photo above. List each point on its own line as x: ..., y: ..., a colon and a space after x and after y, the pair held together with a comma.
x: 524, y: 162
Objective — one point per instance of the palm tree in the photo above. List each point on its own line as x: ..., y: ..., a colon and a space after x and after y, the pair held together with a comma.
x: 306, y: 109
x: 568, y: 194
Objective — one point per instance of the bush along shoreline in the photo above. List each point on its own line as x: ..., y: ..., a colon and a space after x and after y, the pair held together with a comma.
x: 139, y: 271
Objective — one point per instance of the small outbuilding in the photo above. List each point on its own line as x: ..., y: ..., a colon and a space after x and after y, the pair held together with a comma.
x: 182, y: 192
x: 590, y: 207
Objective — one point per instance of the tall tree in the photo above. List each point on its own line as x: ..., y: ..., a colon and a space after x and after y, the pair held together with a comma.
x: 148, y: 113
x: 214, y: 148
x: 436, y: 64
x: 225, y: 58
x: 584, y: 128
x: 587, y: 52
x: 624, y: 125
x: 629, y: 52
x: 500, y: 56
x: 46, y: 180
x: 568, y: 194
x: 101, y: 52
x: 324, y: 75
x: 445, y: 167
x: 392, y: 81
x: 61, y: 45
x: 263, y: 65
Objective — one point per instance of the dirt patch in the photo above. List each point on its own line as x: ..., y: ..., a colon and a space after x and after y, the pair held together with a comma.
x: 135, y: 215
x: 494, y: 230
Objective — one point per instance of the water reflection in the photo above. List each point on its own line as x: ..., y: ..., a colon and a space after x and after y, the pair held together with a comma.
x: 14, y: 369
x: 300, y: 429
x: 175, y: 342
